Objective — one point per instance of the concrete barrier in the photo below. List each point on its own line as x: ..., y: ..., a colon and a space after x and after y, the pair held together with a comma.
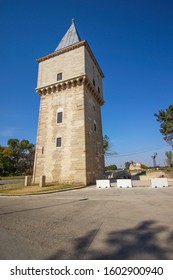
x: 159, y: 182
x: 103, y: 184
x: 124, y: 183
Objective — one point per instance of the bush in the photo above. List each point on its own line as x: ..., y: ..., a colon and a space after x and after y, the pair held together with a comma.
x: 111, y: 167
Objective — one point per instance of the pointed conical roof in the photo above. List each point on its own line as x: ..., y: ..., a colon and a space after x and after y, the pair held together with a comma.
x: 71, y: 37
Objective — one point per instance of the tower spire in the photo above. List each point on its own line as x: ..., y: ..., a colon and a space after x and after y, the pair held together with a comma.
x: 70, y: 38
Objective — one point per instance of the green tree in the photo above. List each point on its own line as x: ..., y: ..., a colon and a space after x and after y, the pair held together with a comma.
x: 106, y: 143
x: 165, y: 117
x: 107, y: 146
x: 12, y: 155
x: 16, y: 158
x: 143, y: 166
x: 2, y: 161
x: 111, y: 167
x: 169, y: 158
x: 127, y: 164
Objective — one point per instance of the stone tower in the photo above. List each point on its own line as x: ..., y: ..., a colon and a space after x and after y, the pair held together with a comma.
x: 69, y: 146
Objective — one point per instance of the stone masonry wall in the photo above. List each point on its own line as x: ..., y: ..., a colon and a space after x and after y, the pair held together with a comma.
x: 92, y: 72
x: 70, y: 64
x: 94, y: 139
x: 65, y: 163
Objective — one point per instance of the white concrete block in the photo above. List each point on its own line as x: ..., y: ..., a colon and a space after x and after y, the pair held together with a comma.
x: 124, y: 183
x: 103, y: 183
x: 159, y: 182
x: 28, y: 181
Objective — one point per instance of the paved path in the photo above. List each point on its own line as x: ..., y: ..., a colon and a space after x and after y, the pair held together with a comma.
x: 11, y: 181
x: 88, y: 223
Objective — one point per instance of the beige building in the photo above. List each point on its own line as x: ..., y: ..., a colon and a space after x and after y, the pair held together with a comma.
x: 135, y: 165
x: 69, y: 146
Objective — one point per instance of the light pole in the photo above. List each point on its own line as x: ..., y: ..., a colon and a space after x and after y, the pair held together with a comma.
x: 154, y: 159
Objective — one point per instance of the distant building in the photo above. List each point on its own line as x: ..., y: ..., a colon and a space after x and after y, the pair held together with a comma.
x: 135, y: 165
x: 69, y: 147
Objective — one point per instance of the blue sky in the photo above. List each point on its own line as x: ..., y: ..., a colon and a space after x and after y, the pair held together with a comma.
x: 132, y: 41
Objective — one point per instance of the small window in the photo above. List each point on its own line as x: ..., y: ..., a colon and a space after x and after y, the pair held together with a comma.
x: 59, y: 117
x: 94, y: 83
x: 42, y: 150
x: 98, y: 90
x: 95, y: 126
x: 58, y: 142
x: 59, y: 76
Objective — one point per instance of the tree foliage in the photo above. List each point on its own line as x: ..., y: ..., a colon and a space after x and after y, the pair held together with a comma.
x: 143, y: 166
x: 169, y: 158
x: 107, y: 146
x: 165, y: 117
x: 16, y: 158
x: 127, y: 165
x: 106, y: 143
x: 111, y: 167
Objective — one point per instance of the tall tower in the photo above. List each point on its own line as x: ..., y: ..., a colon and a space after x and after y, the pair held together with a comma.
x: 69, y: 146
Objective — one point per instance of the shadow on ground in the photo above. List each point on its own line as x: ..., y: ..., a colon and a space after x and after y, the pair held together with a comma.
x: 145, y: 241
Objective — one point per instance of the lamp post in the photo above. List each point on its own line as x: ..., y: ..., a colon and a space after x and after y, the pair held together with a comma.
x: 154, y: 159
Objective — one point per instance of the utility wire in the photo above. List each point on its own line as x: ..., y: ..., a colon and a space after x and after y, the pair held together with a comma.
x: 117, y: 155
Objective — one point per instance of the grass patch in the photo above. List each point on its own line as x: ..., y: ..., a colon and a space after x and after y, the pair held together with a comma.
x: 20, y: 189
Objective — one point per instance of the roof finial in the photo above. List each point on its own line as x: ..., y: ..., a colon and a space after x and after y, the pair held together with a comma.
x: 71, y: 37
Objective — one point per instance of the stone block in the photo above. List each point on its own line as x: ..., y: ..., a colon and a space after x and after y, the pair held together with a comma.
x: 124, y: 183
x: 103, y: 184
x: 42, y: 181
x: 159, y: 182
x: 28, y: 181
